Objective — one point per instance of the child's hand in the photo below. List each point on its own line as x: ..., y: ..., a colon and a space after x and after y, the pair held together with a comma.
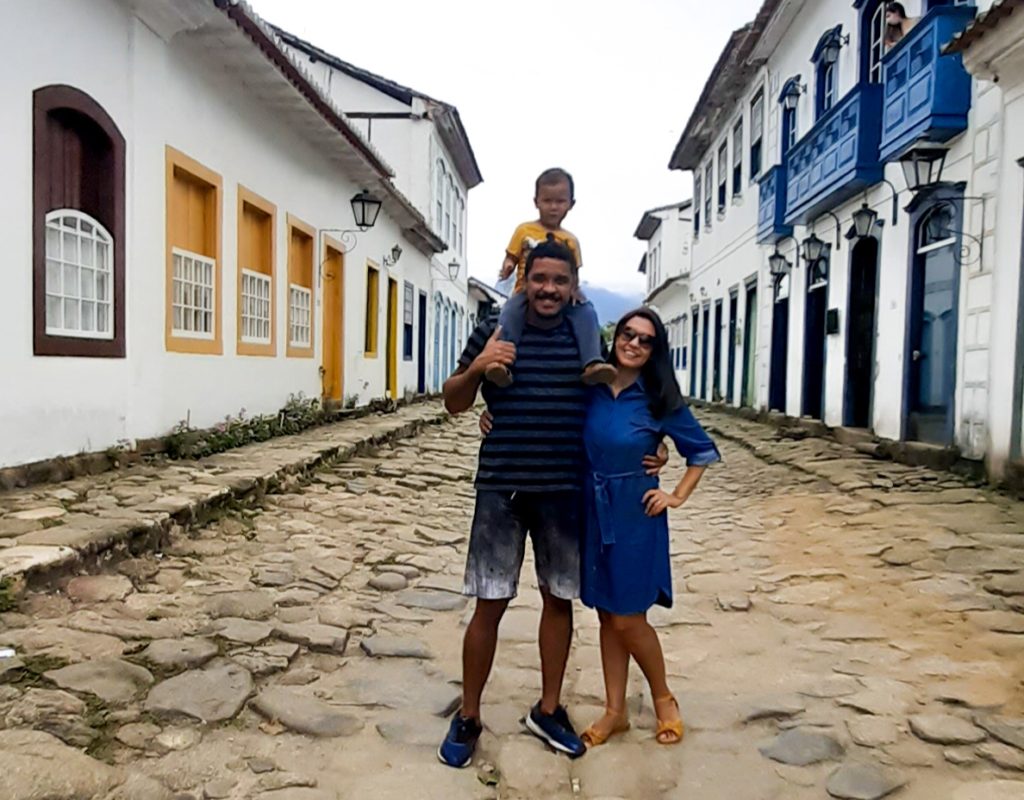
x: 507, y: 267
x: 578, y: 296
x: 486, y: 422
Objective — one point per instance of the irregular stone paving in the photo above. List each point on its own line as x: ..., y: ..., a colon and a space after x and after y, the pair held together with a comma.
x: 844, y: 628
x: 46, y: 527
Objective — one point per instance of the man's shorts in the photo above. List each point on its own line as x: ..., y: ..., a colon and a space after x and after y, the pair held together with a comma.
x: 497, y: 543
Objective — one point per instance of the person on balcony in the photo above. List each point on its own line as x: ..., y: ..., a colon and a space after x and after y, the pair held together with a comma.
x: 897, y: 24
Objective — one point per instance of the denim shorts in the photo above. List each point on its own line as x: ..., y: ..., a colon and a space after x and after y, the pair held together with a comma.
x: 497, y: 543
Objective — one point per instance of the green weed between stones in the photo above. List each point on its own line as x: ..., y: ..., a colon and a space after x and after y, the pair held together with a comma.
x: 8, y: 595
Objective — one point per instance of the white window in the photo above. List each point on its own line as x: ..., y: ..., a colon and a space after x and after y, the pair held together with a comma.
x: 193, y: 295
x: 79, y: 276
x: 876, y: 44
x: 255, y: 307
x: 448, y: 202
x: 300, y: 301
x: 439, y: 196
x: 462, y: 225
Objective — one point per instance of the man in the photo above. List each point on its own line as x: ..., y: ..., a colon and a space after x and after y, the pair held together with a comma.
x: 528, y: 482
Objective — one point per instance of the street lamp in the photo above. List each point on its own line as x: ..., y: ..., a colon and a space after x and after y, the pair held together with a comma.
x: 365, y: 208
x: 791, y: 94
x: 813, y: 248
x: 831, y: 47
x: 778, y: 265
x: 453, y: 270
x: 864, y: 219
x: 396, y: 253
x: 922, y: 167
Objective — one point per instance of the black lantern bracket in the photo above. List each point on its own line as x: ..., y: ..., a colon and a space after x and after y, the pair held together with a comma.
x: 838, y: 228
x: 972, y: 246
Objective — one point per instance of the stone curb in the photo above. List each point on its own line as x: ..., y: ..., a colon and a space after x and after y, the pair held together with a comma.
x: 42, y: 555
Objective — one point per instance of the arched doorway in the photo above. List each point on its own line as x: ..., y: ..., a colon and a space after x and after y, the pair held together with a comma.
x: 932, y: 343
x: 860, y: 333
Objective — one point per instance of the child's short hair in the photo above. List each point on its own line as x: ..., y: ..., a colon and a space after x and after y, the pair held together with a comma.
x: 551, y: 248
x: 553, y: 177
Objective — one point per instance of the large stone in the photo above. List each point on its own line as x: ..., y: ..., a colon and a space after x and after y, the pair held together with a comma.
x: 1002, y: 755
x: 398, y: 684
x: 382, y: 646
x: 98, y: 588
x: 1006, y: 585
x: 863, y: 782
x: 800, y: 748
x: 213, y: 694
x: 431, y: 601
x: 243, y: 631
x: 1009, y: 731
x: 945, y: 729
x: 247, y: 605
x: 55, y: 712
x: 411, y: 728
x: 999, y: 621
x: 112, y: 680
x: 39, y: 514
x: 781, y: 707
x: 990, y: 790
x: 868, y: 731
x: 304, y: 714
x: 138, y: 735
x: 180, y: 653
x: 37, y: 766
x: 313, y: 635
x: 389, y: 582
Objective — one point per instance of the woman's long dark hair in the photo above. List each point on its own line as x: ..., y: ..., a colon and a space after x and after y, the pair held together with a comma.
x: 663, y: 394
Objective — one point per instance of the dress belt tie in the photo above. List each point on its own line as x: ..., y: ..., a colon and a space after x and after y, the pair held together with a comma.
x: 603, y: 501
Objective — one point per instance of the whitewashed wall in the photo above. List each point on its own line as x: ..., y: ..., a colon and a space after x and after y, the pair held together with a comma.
x: 162, y: 95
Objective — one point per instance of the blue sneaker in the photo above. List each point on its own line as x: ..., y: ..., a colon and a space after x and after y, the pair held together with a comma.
x: 556, y: 730
x: 457, y: 748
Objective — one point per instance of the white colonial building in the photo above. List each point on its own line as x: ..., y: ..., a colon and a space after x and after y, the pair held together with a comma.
x: 183, y: 236
x: 424, y: 141
x: 869, y: 283
x: 668, y: 233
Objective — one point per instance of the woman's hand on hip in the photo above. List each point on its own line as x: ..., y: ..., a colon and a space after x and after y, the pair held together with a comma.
x: 486, y: 422
x: 653, y: 465
x: 657, y: 501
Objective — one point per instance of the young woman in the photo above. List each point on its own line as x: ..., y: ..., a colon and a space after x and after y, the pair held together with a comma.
x: 625, y: 564
x: 897, y: 23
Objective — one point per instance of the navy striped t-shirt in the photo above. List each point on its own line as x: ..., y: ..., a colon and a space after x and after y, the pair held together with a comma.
x: 536, y: 444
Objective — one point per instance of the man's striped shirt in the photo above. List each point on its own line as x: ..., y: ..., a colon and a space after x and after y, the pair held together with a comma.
x: 536, y: 444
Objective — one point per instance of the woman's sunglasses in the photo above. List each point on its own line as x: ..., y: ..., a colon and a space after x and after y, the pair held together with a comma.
x: 627, y: 335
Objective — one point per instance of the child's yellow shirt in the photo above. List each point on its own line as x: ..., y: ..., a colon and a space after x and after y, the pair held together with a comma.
x: 529, y: 235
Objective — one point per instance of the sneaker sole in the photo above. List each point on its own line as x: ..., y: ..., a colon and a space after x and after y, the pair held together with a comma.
x: 537, y: 731
x: 447, y: 763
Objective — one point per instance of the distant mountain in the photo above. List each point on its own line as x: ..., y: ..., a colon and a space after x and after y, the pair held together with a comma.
x: 611, y: 305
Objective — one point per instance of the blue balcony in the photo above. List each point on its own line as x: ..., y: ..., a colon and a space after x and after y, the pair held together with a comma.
x: 837, y: 158
x: 927, y: 94
x: 771, y: 209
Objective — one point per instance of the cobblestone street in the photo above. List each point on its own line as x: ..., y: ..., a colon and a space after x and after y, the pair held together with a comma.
x: 844, y: 626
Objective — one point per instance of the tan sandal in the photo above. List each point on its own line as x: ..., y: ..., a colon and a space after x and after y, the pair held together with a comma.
x: 669, y: 732
x: 592, y: 737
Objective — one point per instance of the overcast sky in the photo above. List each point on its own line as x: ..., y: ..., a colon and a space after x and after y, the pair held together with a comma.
x: 600, y: 88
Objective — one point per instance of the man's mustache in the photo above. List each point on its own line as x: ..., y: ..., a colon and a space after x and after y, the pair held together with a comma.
x: 548, y: 296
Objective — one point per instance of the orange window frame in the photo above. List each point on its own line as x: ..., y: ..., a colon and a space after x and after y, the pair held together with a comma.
x: 249, y: 245
x: 193, y: 226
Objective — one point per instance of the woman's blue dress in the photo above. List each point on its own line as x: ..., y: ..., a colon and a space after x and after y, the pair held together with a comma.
x: 625, y: 563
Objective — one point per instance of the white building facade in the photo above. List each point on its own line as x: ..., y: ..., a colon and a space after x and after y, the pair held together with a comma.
x: 181, y: 245
x: 872, y: 302
x: 668, y: 233
x: 423, y: 139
